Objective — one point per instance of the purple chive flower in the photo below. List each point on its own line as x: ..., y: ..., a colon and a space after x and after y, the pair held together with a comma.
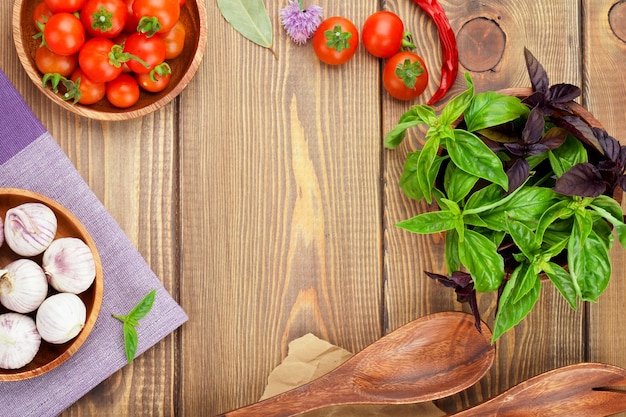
x: 300, y: 23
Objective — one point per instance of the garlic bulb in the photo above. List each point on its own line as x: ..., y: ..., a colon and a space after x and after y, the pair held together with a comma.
x: 29, y: 228
x: 69, y: 265
x: 1, y: 232
x: 61, y: 317
x: 19, y: 340
x: 23, y: 286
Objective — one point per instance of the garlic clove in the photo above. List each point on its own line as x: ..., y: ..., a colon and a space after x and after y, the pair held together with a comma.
x: 61, y: 317
x: 19, y: 340
x: 29, y: 228
x: 23, y: 286
x: 69, y: 265
x: 1, y: 232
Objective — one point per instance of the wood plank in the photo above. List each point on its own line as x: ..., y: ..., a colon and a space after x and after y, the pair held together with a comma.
x: 552, y: 335
x: 604, y: 52
x: 280, y: 191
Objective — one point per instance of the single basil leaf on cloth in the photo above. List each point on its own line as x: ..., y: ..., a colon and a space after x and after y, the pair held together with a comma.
x: 509, y: 313
x: 589, y: 263
x: 250, y: 18
x: 480, y: 256
x: 563, y: 282
x: 131, y: 340
x: 471, y: 154
x: 490, y: 109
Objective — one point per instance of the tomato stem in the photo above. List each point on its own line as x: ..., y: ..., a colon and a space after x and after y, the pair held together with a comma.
x: 149, y: 25
x: 337, y: 39
x: 72, y: 89
x: 407, y: 41
x: 409, y: 71
x: 102, y: 20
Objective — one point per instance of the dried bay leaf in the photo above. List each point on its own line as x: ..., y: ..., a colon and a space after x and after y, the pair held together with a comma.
x: 250, y: 18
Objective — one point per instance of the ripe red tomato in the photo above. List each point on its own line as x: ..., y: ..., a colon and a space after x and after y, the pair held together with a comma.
x: 96, y: 61
x: 405, y: 76
x: 160, y: 15
x: 335, y: 41
x: 66, y: 6
x: 131, y: 20
x: 41, y: 14
x: 104, y: 18
x: 174, y: 40
x: 64, y: 34
x: 382, y: 34
x: 123, y: 91
x: 151, y: 50
x: 156, y: 80
x: 90, y: 92
x: 48, y: 62
x: 181, y: 3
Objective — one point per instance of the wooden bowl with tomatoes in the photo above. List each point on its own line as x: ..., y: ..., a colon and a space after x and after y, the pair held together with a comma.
x: 134, y: 83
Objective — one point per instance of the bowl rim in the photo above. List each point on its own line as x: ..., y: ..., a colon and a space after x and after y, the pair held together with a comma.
x: 98, y: 286
x: 91, y: 113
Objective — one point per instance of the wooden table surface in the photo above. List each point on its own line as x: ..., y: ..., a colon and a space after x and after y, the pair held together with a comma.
x: 264, y: 200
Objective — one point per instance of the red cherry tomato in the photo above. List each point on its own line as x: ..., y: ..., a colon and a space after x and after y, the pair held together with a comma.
x: 123, y: 91
x: 382, y: 34
x: 161, y: 15
x: 104, y: 18
x: 41, y: 14
x: 66, y: 6
x: 91, y: 92
x: 95, y: 60
x: 49, y: 62
x: 335, y: 41
x: 156, y: 80
x: 405, y: 76
x: 131, y: 20
x: 174, y: 40
x: 64, y: 34
x: 150, y: 50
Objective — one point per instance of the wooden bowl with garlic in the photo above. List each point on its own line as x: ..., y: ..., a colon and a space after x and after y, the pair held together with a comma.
x: 41, y: 238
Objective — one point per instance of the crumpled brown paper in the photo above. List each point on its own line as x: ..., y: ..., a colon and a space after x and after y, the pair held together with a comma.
x: 309, y: 358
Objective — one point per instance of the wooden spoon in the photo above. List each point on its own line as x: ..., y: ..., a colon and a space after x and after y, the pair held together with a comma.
x: 429, y: 358
x: 585, y: 389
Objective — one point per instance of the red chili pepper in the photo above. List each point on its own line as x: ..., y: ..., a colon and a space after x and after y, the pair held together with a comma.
x: 449, y: 49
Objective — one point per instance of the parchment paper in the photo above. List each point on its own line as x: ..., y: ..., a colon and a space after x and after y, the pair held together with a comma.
x: 309, y: 358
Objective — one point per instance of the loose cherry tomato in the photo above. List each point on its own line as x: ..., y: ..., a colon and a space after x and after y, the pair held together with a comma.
x: 156, y: 80
x: 174, y: 40
x: 104, y: 18
x: 66, y: 6
x: 123, y: 91
x: 150, y: 50
x: 41, y: 14
x: 100, y: 59
x: 156, y: 15
x: 49, y: 62
x: 90, y: 92
x: 335, y: 41
x: 64, y: 34
x: 382, y: 34
x: 405, y: 76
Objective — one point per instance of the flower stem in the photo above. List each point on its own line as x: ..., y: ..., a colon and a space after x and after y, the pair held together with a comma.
x: 301, y: 5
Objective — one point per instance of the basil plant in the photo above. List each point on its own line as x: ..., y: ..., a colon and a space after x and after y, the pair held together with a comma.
x: 524, y: 190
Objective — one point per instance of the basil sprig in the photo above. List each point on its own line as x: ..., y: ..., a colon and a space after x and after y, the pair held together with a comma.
x: 131, y: 320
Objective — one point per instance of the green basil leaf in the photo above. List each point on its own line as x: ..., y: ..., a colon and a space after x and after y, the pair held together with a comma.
x: 408, y: 180
x: 131, y: 340
x: 453, y: 262
x: 425, y: 113
x: 570, y: 153
x: 398, y: 133
x: 557, y: 211
x: 612, y: 207
x: 457, y: 106
x: 250, y: 18
x: 490, y: 109
x: 471, y: 155
x: 480, y: 256
x: 589, y: 264
x: 564, y: 283
x: 458, y: 183
x: 523, y: 237
x: 143, y: 307
x: 425, y: 162
x: 510, y: 314
x: 526, y: 282
x: 485, y: 197
x: 430, y: 222
x: 584, y: 223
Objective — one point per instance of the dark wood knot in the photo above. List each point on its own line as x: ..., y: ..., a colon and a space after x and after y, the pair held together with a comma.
x: 481, y: 44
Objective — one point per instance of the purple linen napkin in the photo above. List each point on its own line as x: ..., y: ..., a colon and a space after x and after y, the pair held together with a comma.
x: 30, y: 158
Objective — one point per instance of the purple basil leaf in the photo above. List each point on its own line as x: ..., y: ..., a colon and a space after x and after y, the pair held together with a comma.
x: 536, y: 99
x: 442, y: 279
x: 580, y: 129
x: 473, y: 303
x: 610, y: 145
x: 516, y: 149
x: 536, y: 149
x: 606, y: 165
x: 534, y: 127
x: 622, y: 182
x: 621, y: 160
x: 517, y: 174
x: 562, y: 93
x: 554, y: 138
x: 582, y: 180
x: 462, y: 279
x: 538, y: 76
